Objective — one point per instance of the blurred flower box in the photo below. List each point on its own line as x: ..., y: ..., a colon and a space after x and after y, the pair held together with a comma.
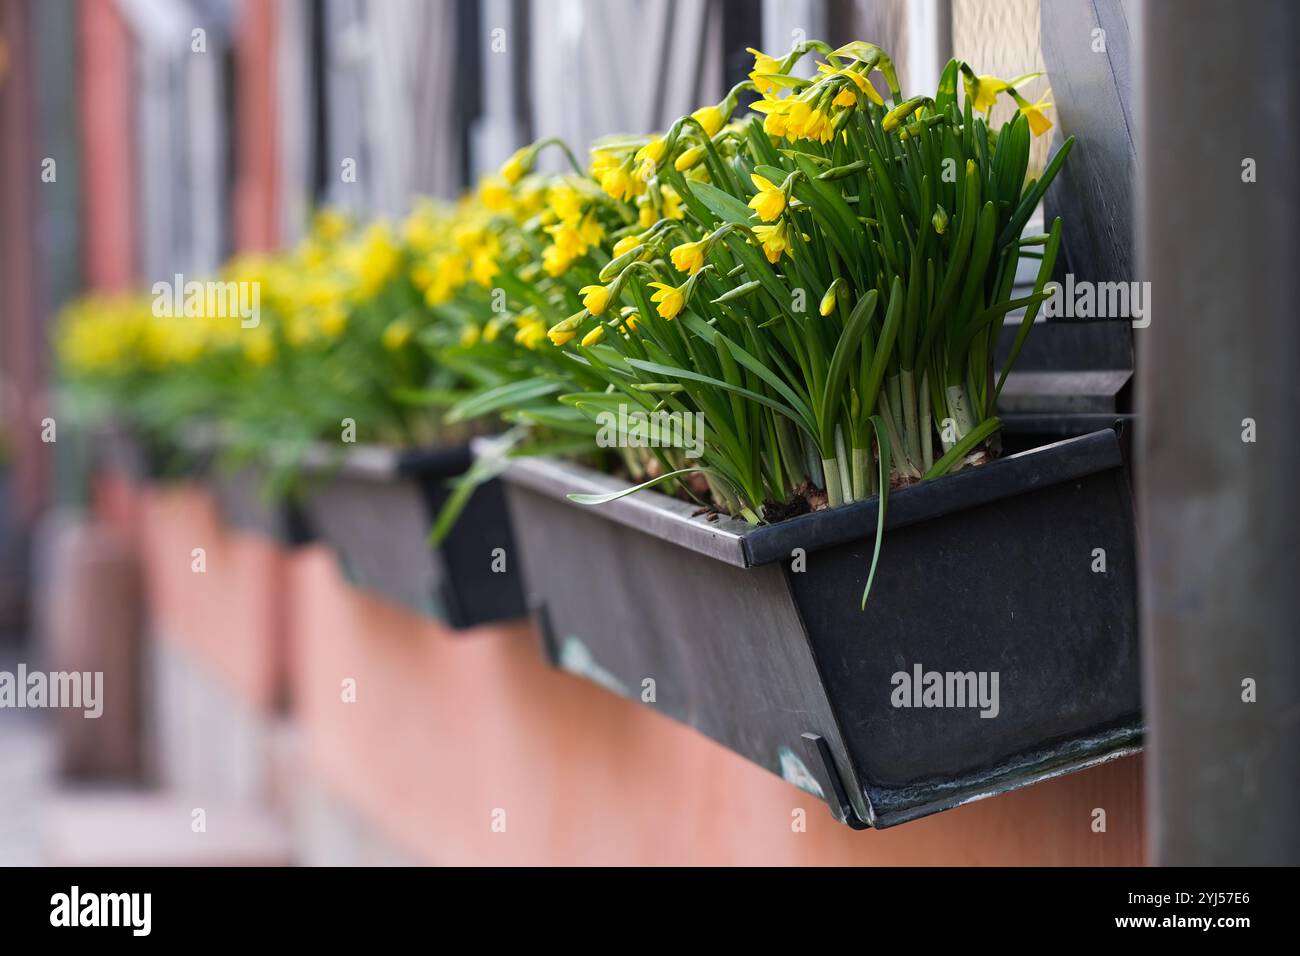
x: 245, y: 504
x: 1010, y: 585
x: 375, y: 507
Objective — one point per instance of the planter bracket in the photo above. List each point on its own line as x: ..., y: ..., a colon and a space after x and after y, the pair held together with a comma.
x: 542, y: 625
x: 837, y: 798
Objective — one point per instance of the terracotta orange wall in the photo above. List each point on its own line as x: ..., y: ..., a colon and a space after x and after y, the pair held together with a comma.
x: 106, y: 94
x: 230, y: 617
x: 23, y: 402
x: 256, y: 130
x: 446, y: 729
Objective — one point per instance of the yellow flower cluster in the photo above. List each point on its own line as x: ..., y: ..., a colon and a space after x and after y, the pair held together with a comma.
x: 546, y: 240
x: 571, y: 221
x: 817, y: 111
x: 303, y: 298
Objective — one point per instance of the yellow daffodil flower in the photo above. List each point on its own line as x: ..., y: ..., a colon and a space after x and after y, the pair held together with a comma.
x: 333, y: 319
x: 555, y: 261
x: 763, y: 64
x: 595, y: 298
x: 1038, y: 123
x: 259, y: 347
x: 618, y: 182
x: 983, y: 91
x: 859, y: 80
x: 671, y: 299
x: 769, y: 201
x: 494, y: 194
x: 329, y: 225
x: 689, y: 257
x: 484, y: 267
x: 775, y: 240
x: 776, y: 119
x: 518, y: 165
x: 397, y: 334
x: 376, y: 260
x: 652, y: 152
x: 590, y: 231
x: 565, y: 202
x: 530, y: 332
x: 672, y: 203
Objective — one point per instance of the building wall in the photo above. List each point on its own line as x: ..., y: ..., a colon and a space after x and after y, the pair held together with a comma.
x: 447, y: 729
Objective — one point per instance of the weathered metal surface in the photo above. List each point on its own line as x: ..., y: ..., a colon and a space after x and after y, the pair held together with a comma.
x: 1087, y: 49
x: 244, y: 503
x: 376, y: 506
x: 992, y: 571
x: 1220, y: 513
x: 723, y: 645
x: 668, y: 518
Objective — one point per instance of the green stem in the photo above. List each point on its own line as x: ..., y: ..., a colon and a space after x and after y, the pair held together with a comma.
x: 564, y: 148
x: 842, y: 460
x: 927, y: 439
x: 861, y: 458
x: 813, y: 462
x: 894, y: 389
x: 832, y: 470
x: 791, y: 452
x: 960, y: 407
x: 722, y: 495
x: 910, y: 423
x: 896, y: 449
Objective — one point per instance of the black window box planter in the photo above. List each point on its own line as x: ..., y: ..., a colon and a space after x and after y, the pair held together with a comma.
x: 244, y: 503
x: 375, y: 507
x: 987, y: 570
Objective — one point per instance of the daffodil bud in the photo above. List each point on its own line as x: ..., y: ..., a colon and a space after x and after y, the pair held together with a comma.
x: 620, y: 261
x: 901, y: 112
x: 827, y: 305
x: 689, y: 159
x: 739, y: 292
x: 710, y: 117
x: 519, y: 165
x: 660, y: 388
x: 630, y: 317
x: 626, y: 244
x: 594, y: 337
x: 840, y: 172
x: 565, y: 331
x: 940, y: 220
